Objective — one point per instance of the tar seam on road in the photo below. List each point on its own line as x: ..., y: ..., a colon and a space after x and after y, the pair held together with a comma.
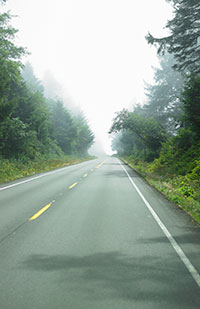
x: 177, y: 248
x: 12, y: 232
x: 40, y: 212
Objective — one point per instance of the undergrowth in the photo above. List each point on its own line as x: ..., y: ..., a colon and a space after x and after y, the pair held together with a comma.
x: 11, y: 169
x: 183, y: 190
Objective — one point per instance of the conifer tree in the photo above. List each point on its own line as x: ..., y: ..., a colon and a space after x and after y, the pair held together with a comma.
x: 184, y: 38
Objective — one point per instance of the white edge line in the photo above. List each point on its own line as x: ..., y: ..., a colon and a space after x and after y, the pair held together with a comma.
x: 177, y: 248
x: 31, y: 179
x: 40, y: 176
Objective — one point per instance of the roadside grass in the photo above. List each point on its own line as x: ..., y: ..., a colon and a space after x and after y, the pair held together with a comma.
x: 18, y: 168
x: 184, y: 191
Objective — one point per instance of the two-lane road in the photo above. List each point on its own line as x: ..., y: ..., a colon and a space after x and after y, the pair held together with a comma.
x: 95, y: 236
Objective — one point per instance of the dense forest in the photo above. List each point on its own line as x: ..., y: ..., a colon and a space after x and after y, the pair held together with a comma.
x: 161, y: 138
x: 33, y: 126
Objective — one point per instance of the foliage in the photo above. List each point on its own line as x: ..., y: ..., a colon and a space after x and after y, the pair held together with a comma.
x: 161, y: 138
x: 127, y: 143
x: 30, y: 125
x: 148, y: 130
x: 85, y: 137
x: 64, y: 130
x: 183, y: 41
x: 31, y: 80
x: 13, y: 136
x: 164, y: 96
x: 178, y: 155
x: 191, y: 103
x: 124, y: 142
x: 8, y: 50
x: 11, y: 169
x: 174, y: 147
x: 184, y: 191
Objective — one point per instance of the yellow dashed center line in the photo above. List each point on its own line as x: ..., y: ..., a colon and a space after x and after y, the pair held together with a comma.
x: 74, y: 184
x: 100, y: 164
x: 40, y: 212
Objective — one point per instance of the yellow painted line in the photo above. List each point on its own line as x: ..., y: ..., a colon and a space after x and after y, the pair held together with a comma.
x: 40, y: 211
x: 74, y: 184
x: 85, y: 175
x: 100, y: 164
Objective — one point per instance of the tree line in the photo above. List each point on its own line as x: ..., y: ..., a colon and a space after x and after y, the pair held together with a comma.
x: 167, y: 126
x: 31, y: 124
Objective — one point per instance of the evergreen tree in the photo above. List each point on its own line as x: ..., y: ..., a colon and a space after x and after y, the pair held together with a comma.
x: 64, y: 129
x: 8, y: 50
x: 30, y: 124
x: 13, y: 131
x: 31, y: 80
x: 164, y: 97
x: 85, y: 137
x: 10, y: 77
x: 184, y: 38
x: 191, y: 102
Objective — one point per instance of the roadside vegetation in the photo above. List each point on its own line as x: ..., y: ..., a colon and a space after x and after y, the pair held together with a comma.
x: 37, y: 133
x: 11, y: 169
x: 161, y: 139
x: 183, y: 190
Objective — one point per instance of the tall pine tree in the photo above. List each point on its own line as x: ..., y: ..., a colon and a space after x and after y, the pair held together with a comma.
x: 184, y: 38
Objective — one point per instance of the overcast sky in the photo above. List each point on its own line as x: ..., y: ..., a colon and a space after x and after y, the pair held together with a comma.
x: 94, y: 48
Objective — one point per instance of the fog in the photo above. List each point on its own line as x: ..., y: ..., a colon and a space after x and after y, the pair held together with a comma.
x: 94, y: 50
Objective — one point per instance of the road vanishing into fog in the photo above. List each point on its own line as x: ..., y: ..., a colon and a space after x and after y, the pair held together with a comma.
x: 95, y: 236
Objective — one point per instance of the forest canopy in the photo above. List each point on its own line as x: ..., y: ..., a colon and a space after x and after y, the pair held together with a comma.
x: 170, y: 118
x: 161, y: 138
x: 31, y: 124
x: 184, y: 33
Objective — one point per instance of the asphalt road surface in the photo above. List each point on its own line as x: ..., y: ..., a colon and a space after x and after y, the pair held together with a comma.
x: 95, y: 236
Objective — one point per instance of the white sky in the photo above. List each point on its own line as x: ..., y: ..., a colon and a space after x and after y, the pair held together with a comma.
x: 94, y: 48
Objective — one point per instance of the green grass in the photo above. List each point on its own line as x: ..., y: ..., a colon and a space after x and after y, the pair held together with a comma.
x: 184, y: 191
x: 15, y: 169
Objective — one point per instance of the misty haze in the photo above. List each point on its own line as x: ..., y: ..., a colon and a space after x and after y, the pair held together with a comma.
x: 99, y: 154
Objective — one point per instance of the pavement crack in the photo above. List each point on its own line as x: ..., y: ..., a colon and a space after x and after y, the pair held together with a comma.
x: 12, y: 232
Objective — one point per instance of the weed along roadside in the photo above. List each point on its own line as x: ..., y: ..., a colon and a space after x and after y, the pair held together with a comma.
x: 183, y: 191
x: 15, y: 169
